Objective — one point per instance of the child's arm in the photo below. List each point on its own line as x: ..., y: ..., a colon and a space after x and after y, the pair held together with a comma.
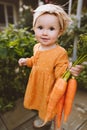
x: 22, y: 62
x: 62, y: 66
x: 26, y: 61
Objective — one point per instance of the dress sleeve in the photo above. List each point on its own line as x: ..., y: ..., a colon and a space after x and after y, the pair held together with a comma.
x: 36, y: 47
x: 61, y: 65
x: 30, y: 61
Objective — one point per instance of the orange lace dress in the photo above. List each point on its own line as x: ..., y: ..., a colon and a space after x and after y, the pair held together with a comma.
x: 47, y: 67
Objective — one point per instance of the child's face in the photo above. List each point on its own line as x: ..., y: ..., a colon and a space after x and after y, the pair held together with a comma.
x: 47, y: 29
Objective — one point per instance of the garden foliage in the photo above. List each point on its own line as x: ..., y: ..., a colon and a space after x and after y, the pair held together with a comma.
x: 14, y: 43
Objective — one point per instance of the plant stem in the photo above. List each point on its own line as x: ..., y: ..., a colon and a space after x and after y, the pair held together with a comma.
x: 67, y: 74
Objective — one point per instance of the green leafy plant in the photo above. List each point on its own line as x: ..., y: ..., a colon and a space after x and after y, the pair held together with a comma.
x: 14, y: 43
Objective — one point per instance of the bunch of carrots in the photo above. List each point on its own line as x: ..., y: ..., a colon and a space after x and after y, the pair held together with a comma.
x: 63, y: 94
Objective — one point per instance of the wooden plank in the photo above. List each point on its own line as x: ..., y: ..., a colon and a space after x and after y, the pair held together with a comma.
x: 83, y: 126
x: 17, y: 116
x: 75, y: 120
x: 2, y: 125
x: 22, y: 119
x: 28, y: 125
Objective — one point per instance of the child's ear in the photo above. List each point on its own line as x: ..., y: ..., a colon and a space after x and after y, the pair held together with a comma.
x: 60, y: 33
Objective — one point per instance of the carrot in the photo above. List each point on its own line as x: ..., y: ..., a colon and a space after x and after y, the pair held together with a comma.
x: 57, y: 92
x: 59, y: 111
x: 70, y: 94
x: 72, y: 86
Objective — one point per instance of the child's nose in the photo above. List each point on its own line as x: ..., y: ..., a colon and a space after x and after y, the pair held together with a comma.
x: 45, y: 32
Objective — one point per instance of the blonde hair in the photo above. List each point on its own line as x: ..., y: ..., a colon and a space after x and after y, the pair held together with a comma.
x: 64, y: 19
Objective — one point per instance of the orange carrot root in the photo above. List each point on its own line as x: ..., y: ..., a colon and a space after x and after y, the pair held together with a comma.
x: 70, y: 94
x: 59, y: 111
x: 57, y: 92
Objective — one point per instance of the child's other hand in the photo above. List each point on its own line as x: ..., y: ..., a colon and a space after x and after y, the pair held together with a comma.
x: 75, y: 71
x: 22, y: 61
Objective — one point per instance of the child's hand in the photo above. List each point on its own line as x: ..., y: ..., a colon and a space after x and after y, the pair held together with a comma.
x: 75, y: 71
x: 22, y: 61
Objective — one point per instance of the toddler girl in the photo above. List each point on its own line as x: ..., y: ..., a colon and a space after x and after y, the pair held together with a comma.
x: 49, y: 61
